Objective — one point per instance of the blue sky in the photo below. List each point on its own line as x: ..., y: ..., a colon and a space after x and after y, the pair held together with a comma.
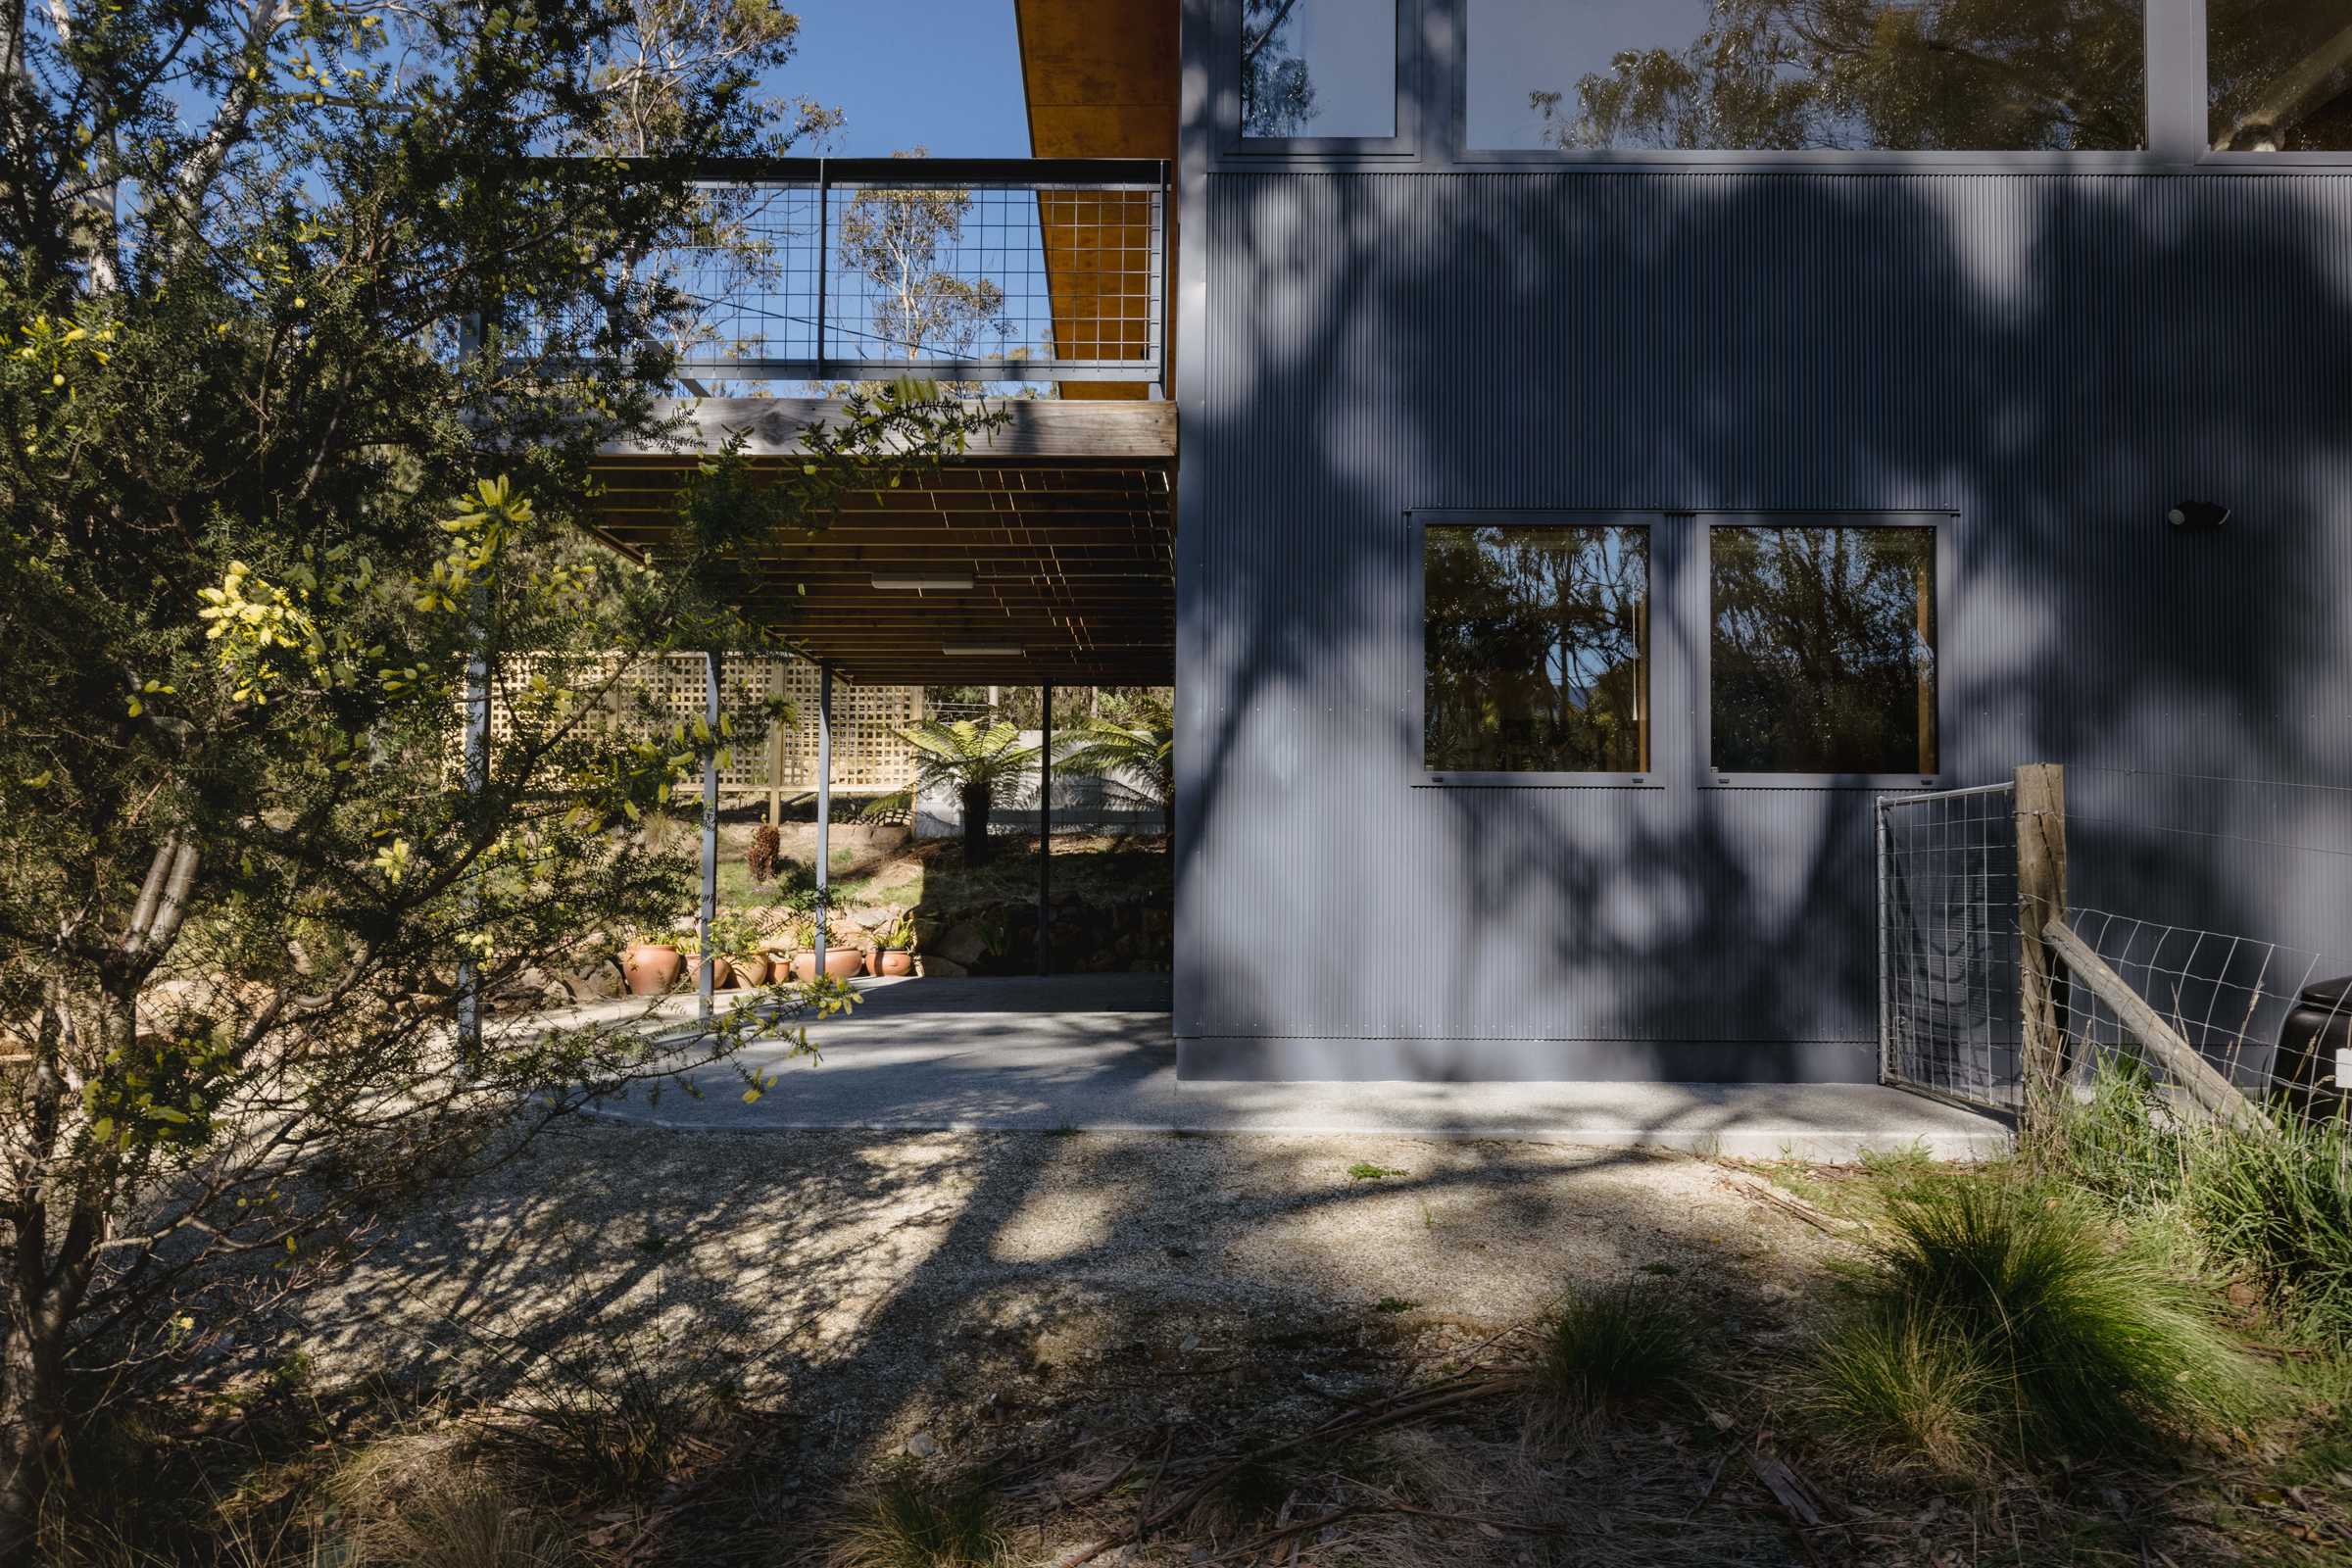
x: 942, y: 74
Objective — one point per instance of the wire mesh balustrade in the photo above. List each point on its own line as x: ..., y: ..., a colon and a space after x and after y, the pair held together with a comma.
x: 819, y: 270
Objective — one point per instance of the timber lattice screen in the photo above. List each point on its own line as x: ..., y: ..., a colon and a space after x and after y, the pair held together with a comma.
x: 655, y: 693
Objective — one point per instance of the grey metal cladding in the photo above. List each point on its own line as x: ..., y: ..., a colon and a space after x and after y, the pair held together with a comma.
x: 2054, y: 359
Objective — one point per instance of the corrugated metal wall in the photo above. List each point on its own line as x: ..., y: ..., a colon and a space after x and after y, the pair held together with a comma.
x: 2056, y: 358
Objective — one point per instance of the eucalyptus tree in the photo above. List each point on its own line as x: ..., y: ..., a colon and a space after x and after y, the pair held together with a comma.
x: 317, y: 317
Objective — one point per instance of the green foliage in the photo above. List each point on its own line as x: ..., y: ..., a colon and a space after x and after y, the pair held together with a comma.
x: 2278, y: 1210
x: 1601, y: 1353
x: 965, y: 754
x: 2000, y: 1317
x: 987, y: 764
x: 1363, y: 1171
x: 2271, y: 1204
x: 316, y: 319
x: 904, y: 1521
x: 899, y: 936
x: 1133, y: 745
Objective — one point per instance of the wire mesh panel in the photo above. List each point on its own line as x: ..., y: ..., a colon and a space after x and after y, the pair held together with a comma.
x: 995, y: 271
x: 1947, y: 945
x: 2275, y: 1021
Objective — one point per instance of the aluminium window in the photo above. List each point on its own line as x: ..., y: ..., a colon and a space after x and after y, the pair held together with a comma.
x: 1535, y: 648
x: 1320, y: 75
x: 2279, y: 75
x: 1822, y: 648
x: 1903, y: 75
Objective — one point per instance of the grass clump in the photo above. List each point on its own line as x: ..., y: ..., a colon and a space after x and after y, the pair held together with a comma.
x: 1604, y: 1352
x: 1363, y: 1171
x: 2270, y: 1204
x: 2278, y: 1210
x: 1997, y: 1318
x: 903, y: 1521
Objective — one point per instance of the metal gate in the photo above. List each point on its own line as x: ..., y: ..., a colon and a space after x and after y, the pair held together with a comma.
x: 1948, y: 1021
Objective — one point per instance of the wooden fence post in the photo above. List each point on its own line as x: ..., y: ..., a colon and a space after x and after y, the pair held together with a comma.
x: 2040, y: 806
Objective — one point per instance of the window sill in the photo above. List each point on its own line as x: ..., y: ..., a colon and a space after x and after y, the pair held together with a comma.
x: 1428, y: 780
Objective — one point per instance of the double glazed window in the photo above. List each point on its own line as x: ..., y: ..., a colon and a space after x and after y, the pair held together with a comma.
x: 2279, y: 74
x: 1815, y: 638
x: 1960, y: 77
x: 1537, y: 649
x: 1318, y: 69
x: 1909, y: 76
x: 1821, y: 653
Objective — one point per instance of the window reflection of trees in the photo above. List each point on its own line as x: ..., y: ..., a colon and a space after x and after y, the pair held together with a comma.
x: 2281, y: 74
x: 1822, y: 657
x: 1536, y: 649
x: 1907, y: 75
x: 1278, y: 97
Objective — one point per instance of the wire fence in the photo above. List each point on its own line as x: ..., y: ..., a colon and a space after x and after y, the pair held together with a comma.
x: 998, y: 271
x: 2272, y: 1020
x: 1948, y: 1017
x: 2230, y: 1021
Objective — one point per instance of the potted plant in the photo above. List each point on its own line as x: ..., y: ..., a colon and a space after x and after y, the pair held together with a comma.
x: 840, y: 962
x: 652, y: 963
x: 742, y: 943
x: 690, y: 947
x: 896, y: 945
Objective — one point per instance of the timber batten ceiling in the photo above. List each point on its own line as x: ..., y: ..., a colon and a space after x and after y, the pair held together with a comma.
x: 1063, y: 520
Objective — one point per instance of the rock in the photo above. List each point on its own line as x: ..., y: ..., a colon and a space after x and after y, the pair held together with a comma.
x: 936, y: 968
x: 922, y: 1445
x: 960, y: 944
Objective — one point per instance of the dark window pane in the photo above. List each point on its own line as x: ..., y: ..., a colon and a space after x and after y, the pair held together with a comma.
x: 1912, y: 75
x: 2280, y: 75
x: 1822, y: 659
x: 1318, y: 68
x: 1536, y: 651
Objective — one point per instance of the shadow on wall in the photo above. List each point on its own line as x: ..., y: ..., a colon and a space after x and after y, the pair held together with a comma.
x: 2054, y: 359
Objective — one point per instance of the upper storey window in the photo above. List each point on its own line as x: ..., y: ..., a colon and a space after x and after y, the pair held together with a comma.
x: 2279, y: 76
x: 1908, y: 76
x: 1318, y: 69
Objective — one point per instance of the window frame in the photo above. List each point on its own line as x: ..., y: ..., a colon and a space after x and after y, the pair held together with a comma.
x: 1225, y: 45
x: 1433, y: 129
x: 1700, y: 608
x: 1419, y: 521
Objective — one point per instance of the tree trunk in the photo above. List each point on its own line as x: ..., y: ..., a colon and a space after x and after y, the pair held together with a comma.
x: 976, y: 803
x: 33, y: 1413
x: 1167, y: 821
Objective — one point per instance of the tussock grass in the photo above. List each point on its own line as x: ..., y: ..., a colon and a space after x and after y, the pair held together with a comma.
x: 2000, y: 1317
x: 903, y: 1521
x: 2273, y: 1207
x: 1601, y: 1353
x: 2279, y: 1210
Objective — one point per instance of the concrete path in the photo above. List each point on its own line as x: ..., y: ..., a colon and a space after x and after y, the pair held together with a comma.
x: 1094, y: 1052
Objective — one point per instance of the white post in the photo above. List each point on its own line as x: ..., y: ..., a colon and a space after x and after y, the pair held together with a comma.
x: 824, y: 803
x: 706, y: 980
x: 477, y: 765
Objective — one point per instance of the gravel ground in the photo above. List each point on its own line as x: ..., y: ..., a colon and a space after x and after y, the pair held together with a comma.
x: 895, y: 1282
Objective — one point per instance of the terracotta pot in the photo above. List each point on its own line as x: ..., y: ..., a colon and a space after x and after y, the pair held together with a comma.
x: 868, y: 960
x: 897, y: 961
x: 723, y: 973
x: 840, y: 964
x: 751, y: 970
x: 651, y: 967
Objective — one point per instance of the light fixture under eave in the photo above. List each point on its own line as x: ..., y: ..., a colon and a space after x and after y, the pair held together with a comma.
x: 936, y: 583
x: 980, y: 651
